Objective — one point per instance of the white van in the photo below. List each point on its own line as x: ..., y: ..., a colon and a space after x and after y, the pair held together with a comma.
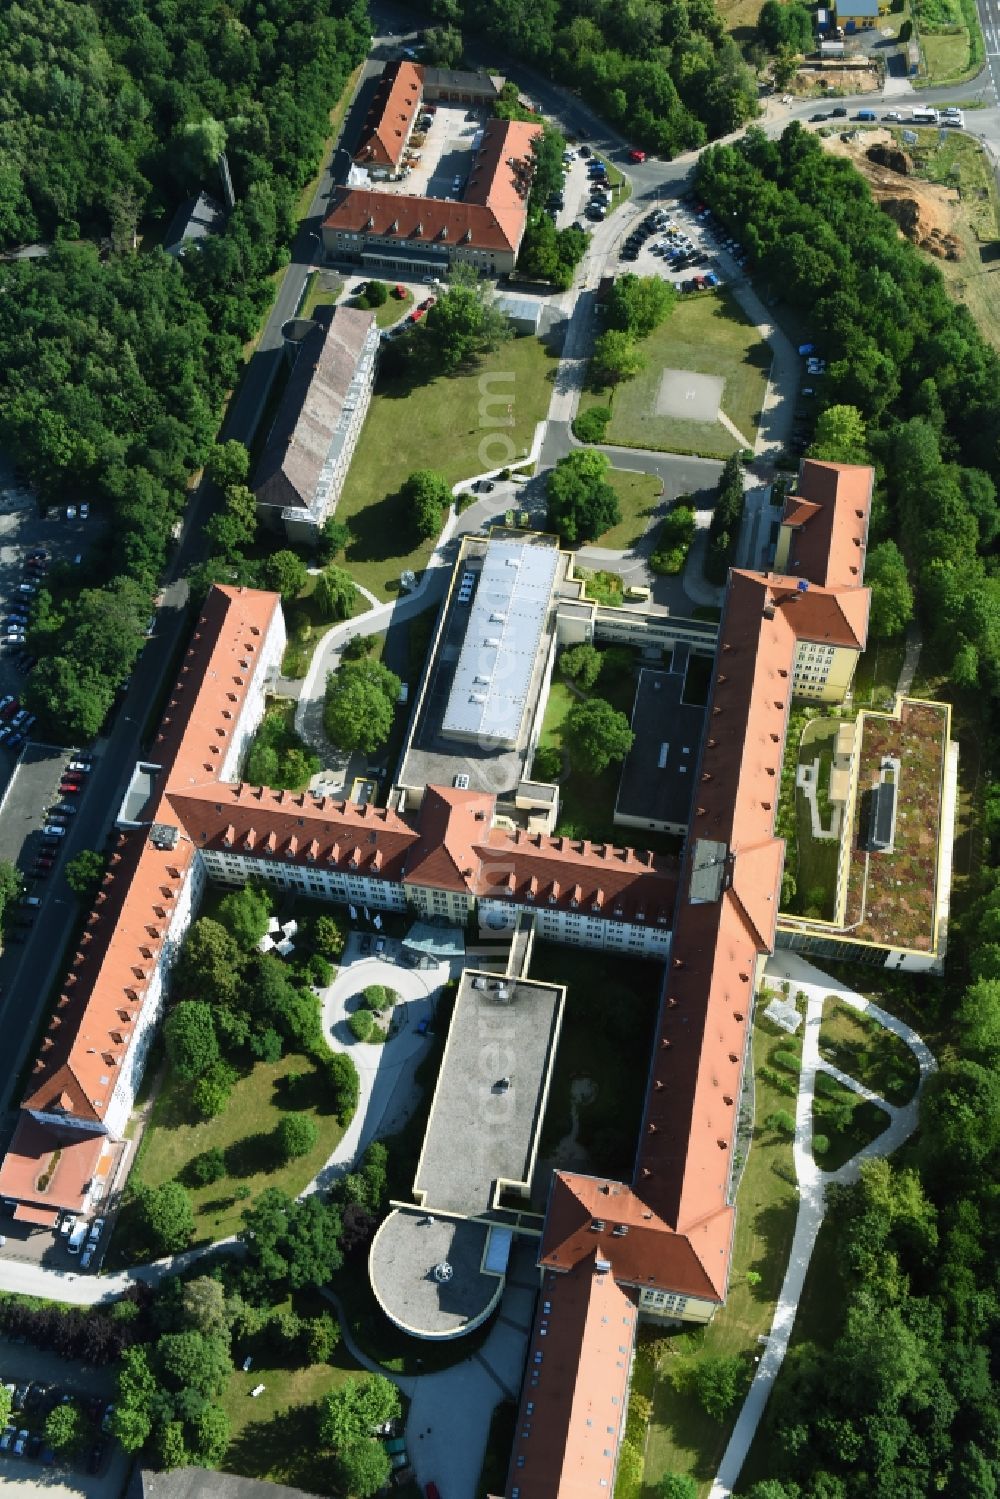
x: 78, y: 1238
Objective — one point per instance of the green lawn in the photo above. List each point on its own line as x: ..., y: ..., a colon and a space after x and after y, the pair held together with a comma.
x: 815, y: 867
x: 273, y: 1437
x: 322, y: 290
x: 640, y: 497
x: 307, y: 625
x: 621, y: 187
x: 682, y: 1438
x: 450, y: 424
x: 861, y: 1047
x: 587, y: 803
x: 818, y: 1323
x: 708, y: 334
x: 244, y: 1130
x: 848, y: 1122
x: 946, y: 54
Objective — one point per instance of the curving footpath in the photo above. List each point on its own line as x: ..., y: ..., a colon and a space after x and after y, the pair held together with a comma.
x: 813, y: 1182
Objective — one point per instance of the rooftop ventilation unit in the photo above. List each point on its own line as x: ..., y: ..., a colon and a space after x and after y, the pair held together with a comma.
x: 164, y: 835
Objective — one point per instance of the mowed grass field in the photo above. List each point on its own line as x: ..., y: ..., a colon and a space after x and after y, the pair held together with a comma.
x: 245, y: 1132
x: 450, y: 424
x: 641, y: 499
x: 709, y: 334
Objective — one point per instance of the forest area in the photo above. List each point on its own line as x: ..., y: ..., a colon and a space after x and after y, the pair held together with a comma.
x: 903, y: 1404
x: 664, y: 71
x: 114, y: 364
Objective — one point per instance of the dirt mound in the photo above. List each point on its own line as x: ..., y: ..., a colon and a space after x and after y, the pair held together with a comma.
x: 890, y: 157
x: 923, y: 211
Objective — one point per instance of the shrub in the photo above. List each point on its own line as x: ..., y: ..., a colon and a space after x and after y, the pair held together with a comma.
x: 781, y: 1122
x: 206, y: 1168
x: 297, y: 1135
x: 547, y: 764
x: 674, y: 541
x: 210, y: 1093
x: 789, y: 1060
x: 319, y: 971
x: 362, y: 1024
x: 821, y: 1144
x: 591, y: 425
x: 345, y: 1086
x: 374, y: 997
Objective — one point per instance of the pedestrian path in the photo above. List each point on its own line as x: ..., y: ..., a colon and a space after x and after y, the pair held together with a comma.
x: 812, y: 1182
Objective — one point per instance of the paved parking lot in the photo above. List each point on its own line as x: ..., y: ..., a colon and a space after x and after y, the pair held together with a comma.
x: 19, y: 1363
x: 32, y: 791
x: 682, y: 226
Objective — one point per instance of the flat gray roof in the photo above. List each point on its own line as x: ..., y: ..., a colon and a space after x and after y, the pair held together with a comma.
x: 658, y: 775
x: 480, y: 1131
x: 138, y: 793
x: 407, y: 1247
x: 507, y: 617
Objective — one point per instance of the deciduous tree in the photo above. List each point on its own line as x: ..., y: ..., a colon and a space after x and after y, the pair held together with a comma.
x: 297, y: 1135
x: 351, y: 1413
x: 582, y: 504
x: 360, y: 703
x: 85, y: 871
x: 596, y: 734
x: 616, y: 357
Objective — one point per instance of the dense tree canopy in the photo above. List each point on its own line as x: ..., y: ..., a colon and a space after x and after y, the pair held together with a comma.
x: 911, y: 363
x: 665, y: 71
x: 582, y: 504
x: 427, y: 495
x: 595, y: 734
x: 113, y: 365
x: 463, y: 323
x: 360, y: 702
x: 638, y: 304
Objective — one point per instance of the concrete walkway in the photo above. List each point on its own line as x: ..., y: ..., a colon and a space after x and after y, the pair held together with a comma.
x: 813, y: 1182
x: 911, y: 658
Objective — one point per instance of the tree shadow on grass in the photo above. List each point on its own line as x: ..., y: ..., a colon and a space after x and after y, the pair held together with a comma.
x: 775, y: 1225
x: 284, y: 1449
x: 250, y: 1156
x: 380, y: 530
x: 304, y: 1091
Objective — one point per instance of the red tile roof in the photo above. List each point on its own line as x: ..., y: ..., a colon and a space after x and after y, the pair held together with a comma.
x: 829, y: 516
x: 575, y: 1386
x: 501, y: 176
x: 393, y: 109
x: 451, y: 823
x: 491, y: 217
x: 297, y: 828
x: 89, y: 1031
x: 575, y: 874
x: 50, y: 1166
x: 644, y: 1249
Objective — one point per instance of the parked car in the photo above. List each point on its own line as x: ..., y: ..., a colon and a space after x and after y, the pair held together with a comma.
x: 21, y: 1442
x: 71, y: 512
x: 81, y: 767
x: 68, y: 788
x: 84, y: 511
x: 635, y: 154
